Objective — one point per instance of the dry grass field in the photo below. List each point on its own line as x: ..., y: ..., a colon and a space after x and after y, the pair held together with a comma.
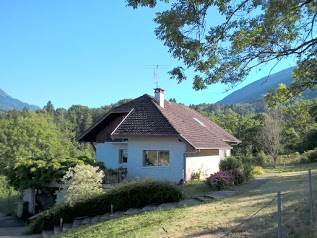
x: 254, y: 211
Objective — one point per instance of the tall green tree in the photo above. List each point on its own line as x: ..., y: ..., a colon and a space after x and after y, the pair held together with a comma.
x: 244, y: 127
x: 271, y: 134
x: 248, y: 34
x: 34, y: 151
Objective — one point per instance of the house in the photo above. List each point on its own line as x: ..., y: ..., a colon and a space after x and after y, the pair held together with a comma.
x: 152, y: 137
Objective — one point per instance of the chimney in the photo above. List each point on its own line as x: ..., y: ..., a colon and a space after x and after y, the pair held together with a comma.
x: 159, y: 96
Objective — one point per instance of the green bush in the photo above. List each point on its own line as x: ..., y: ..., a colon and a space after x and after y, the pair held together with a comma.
x: 238, y: 177
x: 230, y: 163
x: 247, y: 169
x: 5, y: 189
x: 133, y: 194
x: 310, y: 156
x: 261, y: 159
x: 289, y: 159
x: 257, y: 170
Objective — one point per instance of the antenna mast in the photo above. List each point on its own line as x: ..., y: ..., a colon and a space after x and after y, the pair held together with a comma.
x: 156, y: 76
x: 155, y: 72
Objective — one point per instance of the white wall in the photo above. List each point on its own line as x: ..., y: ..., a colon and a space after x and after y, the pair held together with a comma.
x: 205, y: 162
x: 29, y: 196
x: 109, y: 153
x: 173, y: 172
x: 224, y: 153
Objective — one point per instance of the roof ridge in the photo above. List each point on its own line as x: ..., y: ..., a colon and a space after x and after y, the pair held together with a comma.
x: 158, y: 107
x: 105, y: 115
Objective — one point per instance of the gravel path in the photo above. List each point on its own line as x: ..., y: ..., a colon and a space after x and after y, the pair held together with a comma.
x: 13, y: 227
x: 256, y: 182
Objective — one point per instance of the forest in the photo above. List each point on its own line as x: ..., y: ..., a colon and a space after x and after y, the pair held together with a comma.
x: 37, y: 147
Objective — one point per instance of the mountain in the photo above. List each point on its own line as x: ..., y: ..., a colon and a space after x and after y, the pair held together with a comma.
x: 8, y: 103
x: 254, y: 91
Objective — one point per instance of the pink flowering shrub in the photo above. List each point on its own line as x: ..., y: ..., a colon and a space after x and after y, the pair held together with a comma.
x: 221, y: 179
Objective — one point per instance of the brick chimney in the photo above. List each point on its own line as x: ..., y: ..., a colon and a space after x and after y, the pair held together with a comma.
x: 159, y: 96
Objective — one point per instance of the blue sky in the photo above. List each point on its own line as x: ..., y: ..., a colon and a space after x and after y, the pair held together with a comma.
x: 91, y: 53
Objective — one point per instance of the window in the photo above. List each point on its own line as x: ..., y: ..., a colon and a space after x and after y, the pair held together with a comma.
x: 197, y: 120
x: 123, y: 156
x: 155, y: 158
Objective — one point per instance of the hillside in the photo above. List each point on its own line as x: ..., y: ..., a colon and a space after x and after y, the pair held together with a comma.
x: 8, y: 103
x: 254, y: 91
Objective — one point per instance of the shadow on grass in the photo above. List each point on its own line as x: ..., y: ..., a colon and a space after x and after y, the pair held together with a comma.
x: 295, y: 211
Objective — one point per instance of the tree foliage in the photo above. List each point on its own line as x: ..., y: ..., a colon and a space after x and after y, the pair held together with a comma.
x: 35, y: 151
x: 247, y: 34
x: 37, y: 148
x: 271, y: 134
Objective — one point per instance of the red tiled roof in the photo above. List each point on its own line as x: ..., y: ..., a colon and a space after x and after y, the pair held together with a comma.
x: 199, y: 131
x: 145, y: 117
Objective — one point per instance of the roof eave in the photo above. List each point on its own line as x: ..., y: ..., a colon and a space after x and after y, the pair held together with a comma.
x: 214, y: 148
x: 120, y: 136
x: 233, y: 142
x: 80, y: 137
x: 122, y: 121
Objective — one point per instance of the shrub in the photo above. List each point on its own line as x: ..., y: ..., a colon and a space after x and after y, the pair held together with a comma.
x: 289, y: 158
x: 126, y: 195
x: 304, y: 159
x: 81, y: 183
x: 230, y: 163
x: 257, y: 170
x: 310, y: 155
x: 238, y: 177
x: 261, y: 159
x: 221, y: 179
x: 247, y: 169
x: 5, y: 189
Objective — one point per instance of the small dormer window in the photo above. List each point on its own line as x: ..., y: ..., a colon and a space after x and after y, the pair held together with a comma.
x: 197, y: 120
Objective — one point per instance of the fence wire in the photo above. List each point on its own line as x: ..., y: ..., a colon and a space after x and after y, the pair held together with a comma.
x: 249, y: 218
x: 296, y: 186
x: 266, y: 205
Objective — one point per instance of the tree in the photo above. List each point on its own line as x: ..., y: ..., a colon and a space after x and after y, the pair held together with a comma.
x: 271, y: 134
x: 49, y: 107
x: 34, y: 151
x: 250, y: 34
x: 80, y: 183
x: 244, y: 127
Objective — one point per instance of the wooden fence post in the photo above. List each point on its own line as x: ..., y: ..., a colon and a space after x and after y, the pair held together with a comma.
x: 279, y: 215
x: 311, y: 199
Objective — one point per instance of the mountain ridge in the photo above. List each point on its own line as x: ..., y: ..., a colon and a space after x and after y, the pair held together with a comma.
x: 8, y: 103
x: 255, y: 90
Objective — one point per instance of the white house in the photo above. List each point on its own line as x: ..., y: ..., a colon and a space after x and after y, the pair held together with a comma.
x: 152, y: 137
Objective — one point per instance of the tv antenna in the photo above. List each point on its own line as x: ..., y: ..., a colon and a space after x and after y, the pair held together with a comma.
x: 155, y: 69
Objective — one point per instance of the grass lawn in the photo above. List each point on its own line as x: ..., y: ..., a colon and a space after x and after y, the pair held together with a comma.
x: 195, y: 188
x: 218, y: 217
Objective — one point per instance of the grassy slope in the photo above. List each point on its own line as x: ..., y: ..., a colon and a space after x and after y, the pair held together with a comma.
x: 218, y: 217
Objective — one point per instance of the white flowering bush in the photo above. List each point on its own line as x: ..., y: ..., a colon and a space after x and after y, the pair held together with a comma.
x: 80, y: 183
